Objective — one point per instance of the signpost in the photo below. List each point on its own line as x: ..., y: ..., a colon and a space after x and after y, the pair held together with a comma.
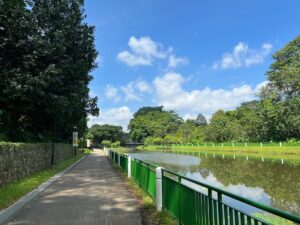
x: 75, y: 140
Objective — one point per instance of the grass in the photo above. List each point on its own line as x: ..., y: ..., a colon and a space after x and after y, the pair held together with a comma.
x: 12, y: 192
x: 271, y: 152
x: 273, y: 219
x: 147, y: 205
x: 120, y: 149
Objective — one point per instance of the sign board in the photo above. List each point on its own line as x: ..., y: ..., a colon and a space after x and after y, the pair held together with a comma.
x: 88, y: 143
x: 75, y: 139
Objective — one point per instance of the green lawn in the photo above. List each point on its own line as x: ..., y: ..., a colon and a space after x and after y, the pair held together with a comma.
x: 16, y: 190
x: 272, y: 152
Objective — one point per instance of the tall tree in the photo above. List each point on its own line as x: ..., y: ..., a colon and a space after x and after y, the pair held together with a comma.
x: 201, y: 120
x: 18, y: 42
x: 284, y: 73
x: 49, y: 87
x: 153, y: 121
x: 98, y: 133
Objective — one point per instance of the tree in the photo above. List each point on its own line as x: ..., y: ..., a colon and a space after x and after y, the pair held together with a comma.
x: 153, y: 121
x: 48, y: 53
x: 186, y: 130
x: 279, y: 121
x: 284, y: 73
x: 201, y: 120
x: 222, y: 127
x: 17, y: 60
x: 279, y: 112
x: 97, y: 133
x: 247, y: 117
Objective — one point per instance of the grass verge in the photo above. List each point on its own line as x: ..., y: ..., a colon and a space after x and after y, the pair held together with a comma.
x: 288, y: 153
x: 12, y: 192
x: 147, y: 205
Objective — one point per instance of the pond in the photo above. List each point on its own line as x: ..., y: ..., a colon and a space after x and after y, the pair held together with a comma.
x: 272, y: 182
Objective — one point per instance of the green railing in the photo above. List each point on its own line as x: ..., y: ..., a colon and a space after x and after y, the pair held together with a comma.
x: 143, y: 173
x: 124, y: 162
x: 193, y: 202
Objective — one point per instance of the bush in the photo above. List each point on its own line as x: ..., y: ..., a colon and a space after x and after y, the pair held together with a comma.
x: 106, y: 143
x: 115, y: 144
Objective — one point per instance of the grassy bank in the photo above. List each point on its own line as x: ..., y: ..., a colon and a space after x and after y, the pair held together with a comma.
x: 16, y: 190
x: 147, y: 205
x: 286, y: 153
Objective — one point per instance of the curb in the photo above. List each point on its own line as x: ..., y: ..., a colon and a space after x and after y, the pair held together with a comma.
x: 9, y: 212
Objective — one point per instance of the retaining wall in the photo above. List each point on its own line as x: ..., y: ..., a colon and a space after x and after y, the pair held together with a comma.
x: 21, y: 160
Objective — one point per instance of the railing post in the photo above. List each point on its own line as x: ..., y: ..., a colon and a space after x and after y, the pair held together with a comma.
x: 119, y: 159
x: 210, y: 206
x: 129, y: 167
x: 220, y: 210
x: 158, y: 171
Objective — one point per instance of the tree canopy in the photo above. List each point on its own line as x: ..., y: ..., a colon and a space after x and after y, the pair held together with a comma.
x: 46, y: 55
x: 153, y: 121
x: 99, y: 133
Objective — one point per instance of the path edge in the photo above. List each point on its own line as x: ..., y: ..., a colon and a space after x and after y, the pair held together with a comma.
x: 10, y: 211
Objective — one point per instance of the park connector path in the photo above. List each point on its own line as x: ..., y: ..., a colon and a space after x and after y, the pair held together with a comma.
x: 90, y: 193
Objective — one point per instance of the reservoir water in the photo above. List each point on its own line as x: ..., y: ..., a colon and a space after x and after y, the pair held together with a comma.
x: 272, y: 182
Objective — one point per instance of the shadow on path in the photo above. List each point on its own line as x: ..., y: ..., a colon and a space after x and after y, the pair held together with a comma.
x: 91, y: 193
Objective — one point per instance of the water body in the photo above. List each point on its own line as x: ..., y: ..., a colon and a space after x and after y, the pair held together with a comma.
x: 272, y: 182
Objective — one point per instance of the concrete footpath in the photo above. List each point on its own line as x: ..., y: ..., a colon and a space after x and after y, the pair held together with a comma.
x: 90, y: 193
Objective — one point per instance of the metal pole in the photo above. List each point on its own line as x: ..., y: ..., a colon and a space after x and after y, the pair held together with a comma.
x: 158, y: 171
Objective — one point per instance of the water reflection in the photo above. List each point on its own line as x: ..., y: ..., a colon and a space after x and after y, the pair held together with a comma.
x: 270, y: 182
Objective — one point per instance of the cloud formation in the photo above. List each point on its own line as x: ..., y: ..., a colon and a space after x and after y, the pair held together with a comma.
x: 177, y: 61
x: 112, y: 93
x: 170, y: 94
x: 133, y: 91
x: 143, y: 51
x: 243, y: 56
x: 115, y: 116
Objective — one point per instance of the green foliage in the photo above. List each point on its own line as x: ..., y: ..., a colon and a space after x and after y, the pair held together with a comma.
x: 116, y: 144
x: 201, y: 120
x: 153, y: 121
x: 222, y: 127
x: 279, y: 120
x: 106, y: 143
x: 46, y: 55
x: 284, y: 73
x: 273, y: 219
x: 98, y: 133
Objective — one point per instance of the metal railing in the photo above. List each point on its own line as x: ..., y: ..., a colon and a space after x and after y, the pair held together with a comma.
x: 192, y: 202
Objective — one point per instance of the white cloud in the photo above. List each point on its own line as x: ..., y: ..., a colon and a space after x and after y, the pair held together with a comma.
x: 112, y: 93
x: 260, y: 86
x: 143, y: 86
x: 130, y: 93
x: 170, y: 94
x: 243, y: 56
x: 143, y: 51
x: 188, y: 116
x: 134, y: 90
x: 177, y: 61
x: 115, y: 116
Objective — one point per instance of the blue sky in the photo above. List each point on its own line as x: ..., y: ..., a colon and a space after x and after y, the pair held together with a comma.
x: 190, y: 56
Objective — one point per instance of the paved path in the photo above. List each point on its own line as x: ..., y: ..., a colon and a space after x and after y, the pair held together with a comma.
x: 90, y: 193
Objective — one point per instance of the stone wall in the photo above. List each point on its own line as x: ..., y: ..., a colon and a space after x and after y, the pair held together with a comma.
x: 21, y: 160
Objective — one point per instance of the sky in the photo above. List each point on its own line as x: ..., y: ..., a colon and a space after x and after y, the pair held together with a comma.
x: 193, y: 56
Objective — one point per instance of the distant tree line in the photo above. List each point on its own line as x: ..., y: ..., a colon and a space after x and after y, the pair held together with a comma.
x: 106, y: 135
x: 46, y: 55
x: 274, y: 117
